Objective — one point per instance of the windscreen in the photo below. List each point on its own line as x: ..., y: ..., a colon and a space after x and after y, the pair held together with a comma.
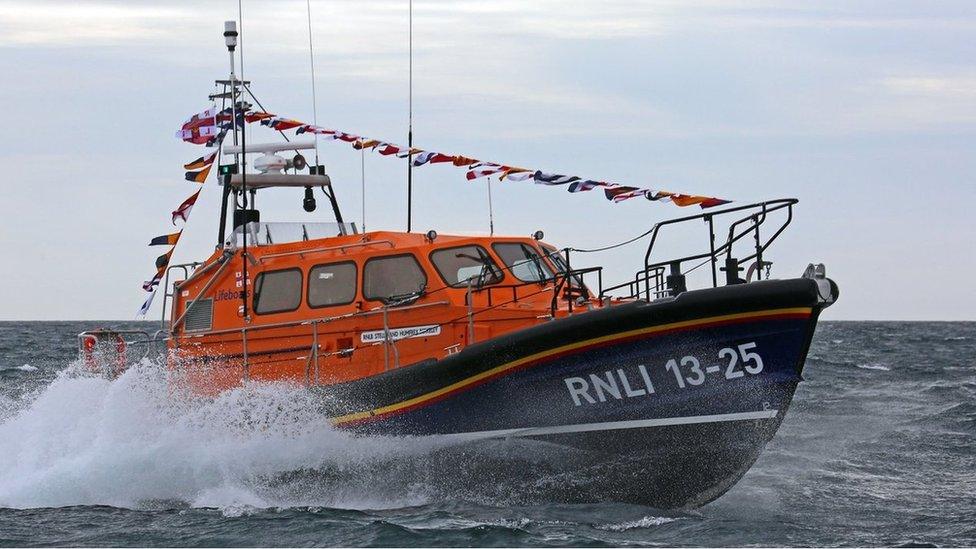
x: 523, y: 261
x: 457, y: 266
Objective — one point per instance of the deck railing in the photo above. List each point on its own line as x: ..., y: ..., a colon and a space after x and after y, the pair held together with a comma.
x: 667, y: 277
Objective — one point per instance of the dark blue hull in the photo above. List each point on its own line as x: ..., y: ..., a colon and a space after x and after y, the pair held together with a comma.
x: 666, y: 403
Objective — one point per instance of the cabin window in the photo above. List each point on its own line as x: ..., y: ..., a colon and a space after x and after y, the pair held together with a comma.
x: 393, y: 276
x: 524, y: 262
x: 559, y: 261
x: 457, y: 266
x: 278, y: 291
x: 556, y: 258
x: 333, y: 284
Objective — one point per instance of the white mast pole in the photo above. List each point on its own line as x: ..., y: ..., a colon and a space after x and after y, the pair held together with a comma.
x: 230, y: 38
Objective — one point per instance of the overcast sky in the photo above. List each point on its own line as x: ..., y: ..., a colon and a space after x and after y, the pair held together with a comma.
x: 865, y: 111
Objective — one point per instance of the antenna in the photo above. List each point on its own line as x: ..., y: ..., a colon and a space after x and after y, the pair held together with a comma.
x: 491, y: 212
x: 410, y: 121
x: 230, y: 38
x: 362, y: 167
x: 311, y: 63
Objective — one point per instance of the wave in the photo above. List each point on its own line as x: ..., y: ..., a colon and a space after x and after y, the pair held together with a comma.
x: 874, y: 366
x: 24, y: 368
x: 137, y: 441
x: 645, y: 522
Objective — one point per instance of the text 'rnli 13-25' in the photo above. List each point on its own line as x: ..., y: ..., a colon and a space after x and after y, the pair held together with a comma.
x: 688, y: 372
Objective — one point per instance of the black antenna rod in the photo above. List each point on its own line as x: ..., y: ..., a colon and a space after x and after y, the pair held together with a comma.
x: 225, y: 194
x: 410, y: 124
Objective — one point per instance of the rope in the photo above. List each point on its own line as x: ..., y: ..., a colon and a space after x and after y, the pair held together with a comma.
x: 707, y: 260
x: 612, y: 246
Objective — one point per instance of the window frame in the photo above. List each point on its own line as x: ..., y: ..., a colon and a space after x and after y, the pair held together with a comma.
x: 561, y: 266
x: 501, y: 271
x: 510, y: 268
x: 308, y: 284
x: 380, y: 257
x: 255, y: 298
x: 548, y: 254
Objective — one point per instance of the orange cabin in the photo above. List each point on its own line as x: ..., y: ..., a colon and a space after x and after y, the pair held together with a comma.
x: 336, y: 309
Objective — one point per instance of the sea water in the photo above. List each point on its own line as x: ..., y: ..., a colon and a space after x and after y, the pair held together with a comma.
x: 878, y: 448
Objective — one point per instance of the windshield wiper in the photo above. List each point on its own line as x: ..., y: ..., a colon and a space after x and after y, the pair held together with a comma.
x: 486, y: 268
x: 407, y: 298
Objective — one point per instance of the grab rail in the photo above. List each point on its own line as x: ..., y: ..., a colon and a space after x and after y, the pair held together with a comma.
x: 186, y: 277
x: 327, y: 249
x: 651, y: 282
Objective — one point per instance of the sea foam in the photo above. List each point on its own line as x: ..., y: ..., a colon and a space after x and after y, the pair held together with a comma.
x: 85, y: 440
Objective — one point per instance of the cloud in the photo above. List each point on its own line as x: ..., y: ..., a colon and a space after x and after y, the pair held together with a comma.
x: 345, y: 24
x: 73, y: 24
x: 843, y: 104
x: 933, y: 87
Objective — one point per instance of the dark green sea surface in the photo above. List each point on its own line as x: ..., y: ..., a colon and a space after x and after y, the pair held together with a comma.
x: 879, y: 448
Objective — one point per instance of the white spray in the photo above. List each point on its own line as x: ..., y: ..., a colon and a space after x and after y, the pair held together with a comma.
x: 135, y: 441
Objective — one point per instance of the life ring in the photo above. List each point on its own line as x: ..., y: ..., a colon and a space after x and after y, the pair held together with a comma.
x: 89, y: 344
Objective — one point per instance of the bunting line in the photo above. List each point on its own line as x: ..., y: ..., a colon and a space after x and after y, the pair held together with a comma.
x: 166, y: 239
x: 183, y: 211
x: 208, y: 128
x: 199, y: 176
x: 476, y: 169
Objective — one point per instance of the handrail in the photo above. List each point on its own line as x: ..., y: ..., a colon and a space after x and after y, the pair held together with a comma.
x: 657, y: 273
x: 94, y: 333
x: 166, y: 294
x: 325, y: 319
x: 146, y: 339
x: 654, y: 273
x: 327, y: 249
x: 763, y: 248
x: 197, y: 273
x: 470, y: 309
x: 727, y: 247
x: 576, y: 274
x: 780, y: 202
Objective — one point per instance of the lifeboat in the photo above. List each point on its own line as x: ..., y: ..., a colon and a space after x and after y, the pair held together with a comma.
x: 649, y: 391
x: 670, y: 393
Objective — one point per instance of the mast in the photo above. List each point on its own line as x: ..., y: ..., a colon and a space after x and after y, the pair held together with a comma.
x: 230, y: 36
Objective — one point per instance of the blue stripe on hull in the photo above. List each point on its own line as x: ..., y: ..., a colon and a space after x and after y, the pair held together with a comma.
x: 613, y: 378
